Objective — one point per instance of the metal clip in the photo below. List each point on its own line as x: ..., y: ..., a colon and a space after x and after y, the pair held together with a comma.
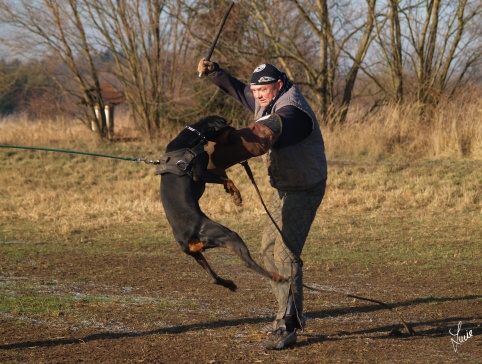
x: 147, y: 161
x: 182, y: 165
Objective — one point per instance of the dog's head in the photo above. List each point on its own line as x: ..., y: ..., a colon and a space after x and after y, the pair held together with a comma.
x: 214, y: 128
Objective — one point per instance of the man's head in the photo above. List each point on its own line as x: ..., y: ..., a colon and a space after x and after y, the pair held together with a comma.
x: 266, y: 83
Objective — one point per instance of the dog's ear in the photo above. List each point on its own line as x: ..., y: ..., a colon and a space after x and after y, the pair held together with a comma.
x: 221, y: 124
x: 211, y: 119
x: 224, y: 121
x: 214, y: 119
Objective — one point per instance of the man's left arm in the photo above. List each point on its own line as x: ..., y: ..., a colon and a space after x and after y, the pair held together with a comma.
x: 297, y: 126
x: 245, y: 143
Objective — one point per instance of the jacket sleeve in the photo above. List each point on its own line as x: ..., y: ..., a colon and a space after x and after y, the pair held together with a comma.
x: 232, y: 87
x: 245, y: 143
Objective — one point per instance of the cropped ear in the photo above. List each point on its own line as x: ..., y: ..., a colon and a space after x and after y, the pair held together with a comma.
x: 220, y: 119
x: 213, y: 119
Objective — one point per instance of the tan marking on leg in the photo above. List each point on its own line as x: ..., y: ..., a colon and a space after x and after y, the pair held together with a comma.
x: 196, y: 246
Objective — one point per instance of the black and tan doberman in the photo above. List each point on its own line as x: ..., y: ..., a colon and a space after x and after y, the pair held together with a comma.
x: 184, y: 173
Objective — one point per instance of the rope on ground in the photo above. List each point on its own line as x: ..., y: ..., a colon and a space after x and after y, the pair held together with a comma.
x: 408, y: 327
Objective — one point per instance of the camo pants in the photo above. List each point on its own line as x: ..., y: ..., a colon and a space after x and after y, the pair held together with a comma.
x: 294, y: 212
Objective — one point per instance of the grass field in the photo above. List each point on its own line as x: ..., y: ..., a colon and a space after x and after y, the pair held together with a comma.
x: 89, y: 271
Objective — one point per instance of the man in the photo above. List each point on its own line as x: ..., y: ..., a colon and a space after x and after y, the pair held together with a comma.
x: 297, y: 169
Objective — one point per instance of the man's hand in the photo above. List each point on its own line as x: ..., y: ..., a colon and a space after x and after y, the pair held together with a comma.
x: 204, y: 67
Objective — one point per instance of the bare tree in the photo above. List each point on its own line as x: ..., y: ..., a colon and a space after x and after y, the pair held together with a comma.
x: 434, y: 44
x: 358, y: 58
x: 134, y: 43
x: 145, y: 47
x: 317, y: 37
x: 396, y: 65
x: 444, y: 47
x: 149, y: 48
x: 390, y: 46
x: 325, y: 76
x: 55, y: 26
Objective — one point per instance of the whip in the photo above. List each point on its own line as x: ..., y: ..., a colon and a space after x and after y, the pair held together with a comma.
x: 215, y: 41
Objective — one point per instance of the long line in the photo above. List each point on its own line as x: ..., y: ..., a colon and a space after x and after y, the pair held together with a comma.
x: 135, y: 159
x: 409, y: 328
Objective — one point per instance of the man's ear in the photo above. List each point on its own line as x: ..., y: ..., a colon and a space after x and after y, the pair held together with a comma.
x: 280, y: 85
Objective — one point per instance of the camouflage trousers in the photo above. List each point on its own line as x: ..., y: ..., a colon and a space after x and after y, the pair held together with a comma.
x: 293, y: 212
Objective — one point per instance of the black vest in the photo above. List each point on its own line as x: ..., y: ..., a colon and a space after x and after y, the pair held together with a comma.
x: 302, y: 165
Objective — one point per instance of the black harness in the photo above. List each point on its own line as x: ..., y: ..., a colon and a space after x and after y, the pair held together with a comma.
x: 181, y: 162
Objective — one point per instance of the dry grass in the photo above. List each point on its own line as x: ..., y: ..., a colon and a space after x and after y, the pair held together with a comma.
x: 385, y: 163
x: 400, y: 132
x: 89, y: 256
x: 393, y: 133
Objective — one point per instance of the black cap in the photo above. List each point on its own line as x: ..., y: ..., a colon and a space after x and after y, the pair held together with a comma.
x: 265, y: 73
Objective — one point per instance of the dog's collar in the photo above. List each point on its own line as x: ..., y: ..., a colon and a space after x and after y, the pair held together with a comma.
x: 205, y: 140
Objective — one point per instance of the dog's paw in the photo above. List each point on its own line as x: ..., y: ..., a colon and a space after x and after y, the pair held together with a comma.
x: 237, y: 199
x: 230, y: 188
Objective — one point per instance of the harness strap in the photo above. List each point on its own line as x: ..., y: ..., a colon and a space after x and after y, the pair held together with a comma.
x: 179, y: 162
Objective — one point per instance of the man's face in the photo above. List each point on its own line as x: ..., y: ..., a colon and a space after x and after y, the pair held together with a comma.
x: 265, y: 93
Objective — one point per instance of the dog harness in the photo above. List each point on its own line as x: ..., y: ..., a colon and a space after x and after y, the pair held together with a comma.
x: 179, y: 162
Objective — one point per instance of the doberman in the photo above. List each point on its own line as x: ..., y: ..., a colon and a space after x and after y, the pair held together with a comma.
x: 184, y: 174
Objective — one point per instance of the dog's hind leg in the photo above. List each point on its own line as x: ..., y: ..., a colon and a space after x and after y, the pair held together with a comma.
x: 238, y: 247
x: 217, y: 279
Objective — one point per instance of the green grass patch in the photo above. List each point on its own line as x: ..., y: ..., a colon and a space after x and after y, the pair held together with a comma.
x: 18, y: 299
x: 50, y: 300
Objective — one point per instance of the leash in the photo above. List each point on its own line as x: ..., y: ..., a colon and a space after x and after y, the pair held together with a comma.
x: 135, y: 159
x: 247, y: 168
x: 410, y: 330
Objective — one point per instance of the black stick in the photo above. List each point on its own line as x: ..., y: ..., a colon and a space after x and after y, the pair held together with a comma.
x: 215, y: 41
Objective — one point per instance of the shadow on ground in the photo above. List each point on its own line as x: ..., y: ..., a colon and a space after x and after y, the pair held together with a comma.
x: 433, y: 328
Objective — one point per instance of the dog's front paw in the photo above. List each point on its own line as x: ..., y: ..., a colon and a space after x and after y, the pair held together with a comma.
x: 237, y: 199
x: 230, y: 188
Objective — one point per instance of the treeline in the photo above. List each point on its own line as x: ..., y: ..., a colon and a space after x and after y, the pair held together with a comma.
x: 28, y: 89
x: 341, y: 53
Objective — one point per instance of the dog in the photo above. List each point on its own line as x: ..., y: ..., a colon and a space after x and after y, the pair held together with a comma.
x: 184, y: 175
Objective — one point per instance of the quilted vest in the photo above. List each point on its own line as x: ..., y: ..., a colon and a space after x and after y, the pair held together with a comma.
x: 302, y: 165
